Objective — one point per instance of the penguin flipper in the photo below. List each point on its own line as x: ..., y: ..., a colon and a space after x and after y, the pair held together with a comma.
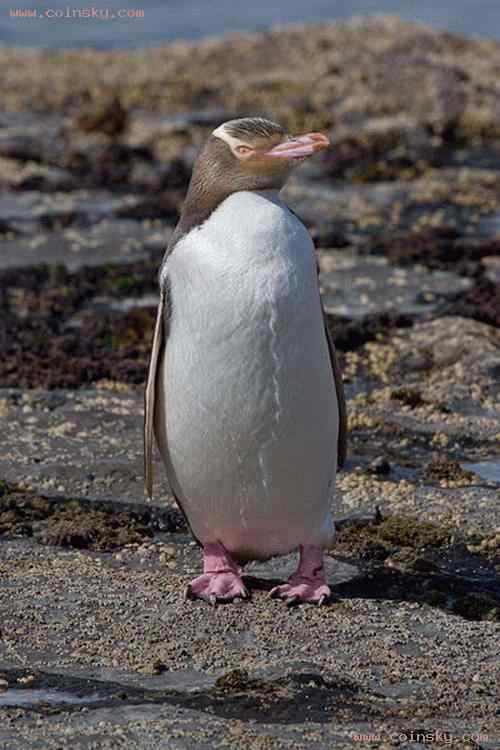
x: 339, y: 387
x: 150, y: 396
x: 341, y: 400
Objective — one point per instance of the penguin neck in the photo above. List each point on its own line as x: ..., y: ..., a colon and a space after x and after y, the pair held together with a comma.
x: 200, y: 204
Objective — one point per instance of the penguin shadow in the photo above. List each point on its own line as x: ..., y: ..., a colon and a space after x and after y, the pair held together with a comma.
x: 468, y: 595
x: 472, y: 594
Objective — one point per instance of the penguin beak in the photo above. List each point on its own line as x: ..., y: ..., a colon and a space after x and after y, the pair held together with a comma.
x: 299, y: 147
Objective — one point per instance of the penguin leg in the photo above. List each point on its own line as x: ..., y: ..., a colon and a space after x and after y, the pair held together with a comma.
x: 308, y: 583
x: 221, y: 579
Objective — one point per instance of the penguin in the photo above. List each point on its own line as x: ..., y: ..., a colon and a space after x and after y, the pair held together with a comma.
x: 244, y: 394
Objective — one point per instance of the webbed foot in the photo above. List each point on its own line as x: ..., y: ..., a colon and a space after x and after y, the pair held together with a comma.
x: 308, y: 583
x: 217, y: 587
x: 221, y: 580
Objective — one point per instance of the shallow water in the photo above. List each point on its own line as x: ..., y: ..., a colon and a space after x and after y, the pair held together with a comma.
x: 35, y: 697
x: 489, y: 226
x: 488, y: 470
x: 165, y: 20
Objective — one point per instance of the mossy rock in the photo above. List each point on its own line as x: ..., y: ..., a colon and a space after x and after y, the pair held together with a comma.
x: 409, y: 396
x: 408, y: 532
x: 233, y: 681
x: 85, y: 528
x: 392, y: 535
x: 441, y: 467
x: 73, y: 524
x: 477, y: 607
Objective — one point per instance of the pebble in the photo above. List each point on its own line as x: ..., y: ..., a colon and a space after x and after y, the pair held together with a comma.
x: 26, y: 680
x: 380, y: 466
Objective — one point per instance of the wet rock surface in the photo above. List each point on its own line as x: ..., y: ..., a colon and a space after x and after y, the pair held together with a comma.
x: 98, y: 647
x: 110, y: 241
x: 109, y: 638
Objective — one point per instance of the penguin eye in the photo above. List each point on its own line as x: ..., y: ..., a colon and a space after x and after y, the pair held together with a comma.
x: 243, y: 150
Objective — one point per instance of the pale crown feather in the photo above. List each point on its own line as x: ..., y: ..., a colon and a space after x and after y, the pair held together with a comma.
x: 236, y: 132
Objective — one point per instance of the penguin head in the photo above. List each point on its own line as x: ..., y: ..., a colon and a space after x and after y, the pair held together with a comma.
x: 253, y: 153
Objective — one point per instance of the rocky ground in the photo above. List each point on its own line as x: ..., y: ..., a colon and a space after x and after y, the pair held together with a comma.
x: 98, y: 647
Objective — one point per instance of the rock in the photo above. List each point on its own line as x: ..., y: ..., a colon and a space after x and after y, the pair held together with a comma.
x: 46, y: 179
x: 492, y: 267
x: 108, y: 241
x: 28, y: 679
x: 31, y: 211
x: 441, y: 467
x: 235, y: 680
x: 102, y: 111
x: 328, y: 235
x: 16, y: 144
x: 356, y: 287
x: 379, y: 466
x: 481, y: 302
x: 153, y: 667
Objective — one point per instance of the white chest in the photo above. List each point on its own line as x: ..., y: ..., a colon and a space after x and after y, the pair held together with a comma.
x: 248, y: 237
x: 244, y: 290
x: 243, y: 286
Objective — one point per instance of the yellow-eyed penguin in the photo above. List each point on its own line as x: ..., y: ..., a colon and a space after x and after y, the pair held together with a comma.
x: 244, y: 394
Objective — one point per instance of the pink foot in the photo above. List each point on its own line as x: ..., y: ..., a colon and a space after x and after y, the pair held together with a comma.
x: 221, y: 579
x: 308, y: 583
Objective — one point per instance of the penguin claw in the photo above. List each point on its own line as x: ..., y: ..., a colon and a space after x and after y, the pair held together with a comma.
x: 215, y: 588
x: 301, y: 592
